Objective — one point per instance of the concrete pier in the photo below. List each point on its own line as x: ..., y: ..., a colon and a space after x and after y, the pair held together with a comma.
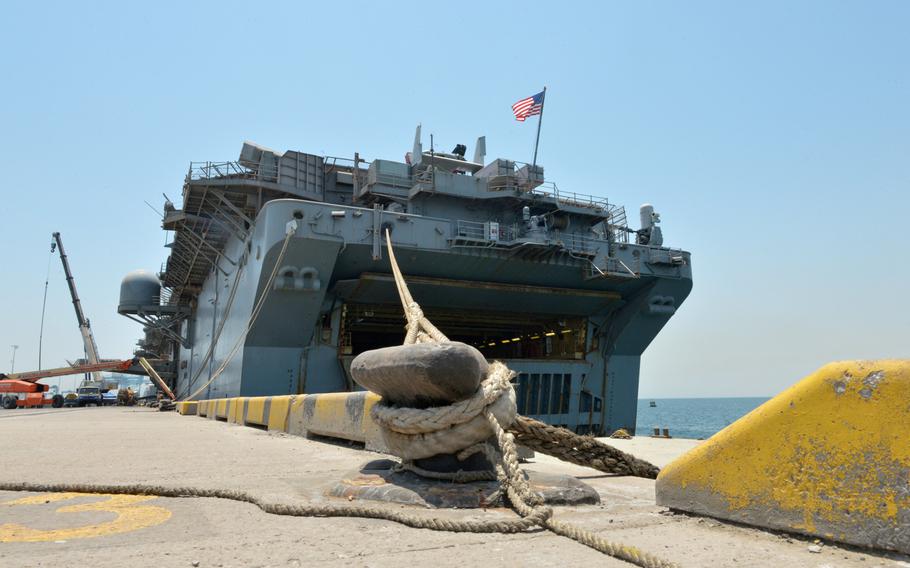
x: 138, y: 445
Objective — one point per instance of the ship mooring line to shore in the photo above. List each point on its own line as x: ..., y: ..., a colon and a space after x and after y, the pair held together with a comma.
x: 585, y: 451
x: 291, y: 229
x: 213, y: 343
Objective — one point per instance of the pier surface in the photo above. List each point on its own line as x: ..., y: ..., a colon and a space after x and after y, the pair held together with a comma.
x: 117, y: 445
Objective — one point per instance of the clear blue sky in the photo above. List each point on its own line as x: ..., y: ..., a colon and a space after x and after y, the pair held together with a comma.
x: 773, y: 137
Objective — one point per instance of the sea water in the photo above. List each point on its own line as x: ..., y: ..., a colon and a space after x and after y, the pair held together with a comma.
x: 692, y: 417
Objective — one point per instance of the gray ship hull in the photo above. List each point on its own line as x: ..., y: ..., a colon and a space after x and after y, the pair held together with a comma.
x: 575, y: 336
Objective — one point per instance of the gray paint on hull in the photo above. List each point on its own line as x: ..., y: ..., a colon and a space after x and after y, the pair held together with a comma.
x: 283, y: 355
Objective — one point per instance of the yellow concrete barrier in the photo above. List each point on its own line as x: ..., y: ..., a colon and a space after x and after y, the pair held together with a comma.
x: 279, y: 409
x: 216, y: 408
x: 187, y: 408
x: 221, y: 409
x: 338, y: 415
x: 235, y: 416
x: 828, y: 457
x: 256, y: 411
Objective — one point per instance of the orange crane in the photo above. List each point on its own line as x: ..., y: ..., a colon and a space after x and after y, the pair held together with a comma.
x: 24, y: 390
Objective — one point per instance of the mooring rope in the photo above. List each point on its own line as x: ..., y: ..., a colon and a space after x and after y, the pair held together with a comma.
x: 253, y: 315
x: 217, y: 336
x: 531, y: 516
x: 586, y: 451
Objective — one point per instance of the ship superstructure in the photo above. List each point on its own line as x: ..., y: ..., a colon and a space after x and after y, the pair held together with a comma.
x: 551, y: 282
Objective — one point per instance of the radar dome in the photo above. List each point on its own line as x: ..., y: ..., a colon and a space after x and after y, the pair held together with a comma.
x: 138, y: 288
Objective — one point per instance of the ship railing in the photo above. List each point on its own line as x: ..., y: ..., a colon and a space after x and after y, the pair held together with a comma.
x: 424, y: 176
x: 391, y: 180
x: 614, y: 268
x: 618, y: 224
x: 236, y: 170
x: 490, y: 232
x: 620, y: 235
x: 470, y: 230
x: 333, y: 163
x: 168, y: 296
x: 666, y: 256
x: 580, y: 243
x: 344, y: 162
x: 550, y: 189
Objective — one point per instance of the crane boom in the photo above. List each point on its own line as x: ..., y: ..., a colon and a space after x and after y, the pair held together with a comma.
x: 32, y: 376
x: 85, y: 329
x: 159, y: 382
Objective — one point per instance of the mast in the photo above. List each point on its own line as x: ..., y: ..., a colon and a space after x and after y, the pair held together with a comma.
x: 543, y: 101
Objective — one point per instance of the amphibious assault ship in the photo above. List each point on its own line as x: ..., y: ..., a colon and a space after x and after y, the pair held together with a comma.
x: 277, y: 277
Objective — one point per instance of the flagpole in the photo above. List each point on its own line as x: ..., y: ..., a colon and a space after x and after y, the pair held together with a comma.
x: 539, y: 121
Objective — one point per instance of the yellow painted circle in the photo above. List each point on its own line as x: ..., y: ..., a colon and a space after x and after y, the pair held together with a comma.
x: 130, y: 516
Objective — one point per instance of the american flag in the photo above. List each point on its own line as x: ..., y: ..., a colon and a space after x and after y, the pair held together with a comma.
x: 528, y: 107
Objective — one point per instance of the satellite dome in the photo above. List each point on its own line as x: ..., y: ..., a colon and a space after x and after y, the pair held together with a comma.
x: 139, y: 288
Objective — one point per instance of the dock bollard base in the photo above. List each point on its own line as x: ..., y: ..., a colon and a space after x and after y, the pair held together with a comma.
x: 376, y: 481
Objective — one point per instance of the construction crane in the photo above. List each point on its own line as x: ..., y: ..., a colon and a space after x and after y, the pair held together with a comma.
x: 88, y: 340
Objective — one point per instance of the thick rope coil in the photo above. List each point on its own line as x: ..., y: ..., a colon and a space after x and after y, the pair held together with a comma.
x: 415, y: 433
x: 420, y: 420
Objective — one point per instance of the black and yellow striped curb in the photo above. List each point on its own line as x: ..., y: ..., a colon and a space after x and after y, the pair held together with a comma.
x: 187, y: 408
x: 337, y: 415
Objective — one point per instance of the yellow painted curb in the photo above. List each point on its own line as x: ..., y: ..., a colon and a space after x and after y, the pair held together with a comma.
x: 337, y: 415
x: 277, y: 419
x: 221, y: 409
x: 372, y: 435
x: 187, y: 408
x: 235, y: 416
x: 829, y: 457
x: 340, y: 415
x: 256, y: 411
